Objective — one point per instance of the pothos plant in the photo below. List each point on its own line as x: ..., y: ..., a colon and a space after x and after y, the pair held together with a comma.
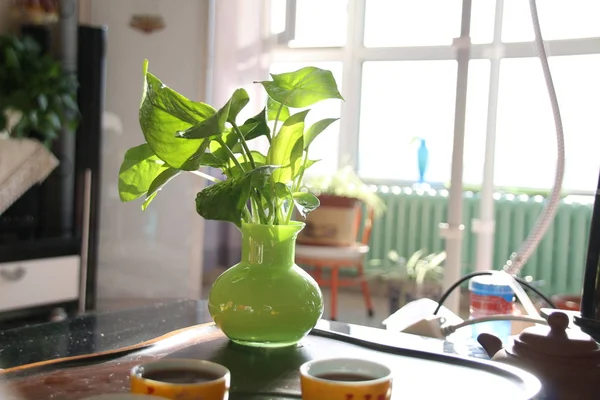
x: 37, y: 99
x: 183, y: 136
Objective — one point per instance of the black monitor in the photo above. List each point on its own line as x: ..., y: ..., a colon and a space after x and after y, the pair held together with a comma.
x: 590, y: 297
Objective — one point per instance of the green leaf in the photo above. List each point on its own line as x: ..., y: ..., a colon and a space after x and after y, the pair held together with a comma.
x: 42, y: 101
x: 259, y: 177
x: 70, y: 103
x: 163, y: 113
x: 54, y: 120
x: 314, y: 130
x: 256, y: 126
x: 210, y: 160
x: 238, y: 101
x: 259, y: 158
x: 10, y: 58
x: 215, y: 125
x: 194, y: 162
x: 33, y: 118
x: 302, y: 88
x: 233, y: 170
x: 310, y: 163
x: 158, y: 183
x: 287, y: 147
x: 230, y: 138
x: 415, y: 140
x: 305, y: 202
x: 72, y: 125
x: 282, y: 191
x: 273, y: 109
x: 226, y: 200
x: 138, y: 170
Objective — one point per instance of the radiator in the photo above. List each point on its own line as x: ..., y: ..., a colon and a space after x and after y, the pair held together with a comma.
x: 412, y: 220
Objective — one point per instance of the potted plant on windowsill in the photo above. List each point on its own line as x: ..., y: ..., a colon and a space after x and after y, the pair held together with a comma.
x: 407, y: 280
x: 341, y: 196
x: 265, y: 300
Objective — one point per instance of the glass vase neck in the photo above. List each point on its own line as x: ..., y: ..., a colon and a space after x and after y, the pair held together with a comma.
x: 270, y: 245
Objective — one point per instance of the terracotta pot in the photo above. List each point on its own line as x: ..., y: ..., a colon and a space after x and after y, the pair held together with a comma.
x: 567, y: 302
x: 335, y: 223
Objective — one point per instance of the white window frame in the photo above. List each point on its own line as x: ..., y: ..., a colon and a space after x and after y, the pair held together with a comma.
x: 354, y: 54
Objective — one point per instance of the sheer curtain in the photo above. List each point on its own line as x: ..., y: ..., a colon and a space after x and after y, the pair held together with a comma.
x: 238, y: 55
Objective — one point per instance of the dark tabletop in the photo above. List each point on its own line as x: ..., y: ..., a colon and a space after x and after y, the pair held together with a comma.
x: 100, y: 332
x: 97, y: 332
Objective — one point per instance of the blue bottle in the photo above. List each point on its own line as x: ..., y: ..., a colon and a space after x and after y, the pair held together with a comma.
x: 423, y: 158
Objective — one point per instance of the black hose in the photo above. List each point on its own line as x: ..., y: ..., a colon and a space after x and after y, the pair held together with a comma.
x: 480, y: 273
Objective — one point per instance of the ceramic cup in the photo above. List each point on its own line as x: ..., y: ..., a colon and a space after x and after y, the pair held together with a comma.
x: 181, y: 379
x: 345, y: 379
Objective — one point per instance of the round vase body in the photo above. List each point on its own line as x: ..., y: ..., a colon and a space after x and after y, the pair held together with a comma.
x: 266, y: 300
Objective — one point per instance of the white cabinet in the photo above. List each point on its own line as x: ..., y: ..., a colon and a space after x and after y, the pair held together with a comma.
x: 38, y: 282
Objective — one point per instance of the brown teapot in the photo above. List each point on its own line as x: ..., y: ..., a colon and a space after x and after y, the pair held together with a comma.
x: 566, y: 361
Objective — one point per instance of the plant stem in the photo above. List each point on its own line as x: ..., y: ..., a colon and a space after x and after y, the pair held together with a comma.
x: 272, y: 208
x: 244, y: 145
x: 288, y: 217
x: 245, y: 158
x: 276, y: 121
x: 235, y: 161
x: 278, y: 207
x: 206, y: 176
x: 297, y: 188
x: 254, y: 207
x: 247, y: 215
x: 259, y: 208
x: 301, y: 176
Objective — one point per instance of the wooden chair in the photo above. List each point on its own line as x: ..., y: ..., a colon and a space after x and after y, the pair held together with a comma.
x: 334, y: 258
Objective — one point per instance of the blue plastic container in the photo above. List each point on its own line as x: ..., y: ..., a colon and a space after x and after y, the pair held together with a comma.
x: 489, y: 297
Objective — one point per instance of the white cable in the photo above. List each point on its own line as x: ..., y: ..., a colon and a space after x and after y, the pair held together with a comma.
x: 519, y: 292
x: 518, y: 259
x: 448, y: 330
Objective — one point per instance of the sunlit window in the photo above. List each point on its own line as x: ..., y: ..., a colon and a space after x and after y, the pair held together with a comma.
x: 397, y: 62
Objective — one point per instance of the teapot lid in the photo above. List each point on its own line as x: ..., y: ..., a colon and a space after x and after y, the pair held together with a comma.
x: 558, y: 340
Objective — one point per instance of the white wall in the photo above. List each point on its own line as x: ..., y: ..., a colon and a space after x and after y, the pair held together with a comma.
x: 157, y: 253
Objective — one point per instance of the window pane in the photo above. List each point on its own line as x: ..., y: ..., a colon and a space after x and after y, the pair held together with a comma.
x: 277, y: 8
x: 476, y: 121
x: 526, y: 143
x: 402, y: 100
x: 390, y: 23
x: 482, y: 21
x: 325, y: 147
x: 320, y: 23
x: 559, y: 19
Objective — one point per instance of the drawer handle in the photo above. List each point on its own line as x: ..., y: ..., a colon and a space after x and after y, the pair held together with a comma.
x: 13, y: 275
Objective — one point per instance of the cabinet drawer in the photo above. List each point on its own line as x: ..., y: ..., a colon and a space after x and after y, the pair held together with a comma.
x: 37, y: 282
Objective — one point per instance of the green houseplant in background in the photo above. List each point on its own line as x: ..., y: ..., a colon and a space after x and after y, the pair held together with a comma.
x: 265, y: 300
x: 407, y: 280
x: 37, y: 99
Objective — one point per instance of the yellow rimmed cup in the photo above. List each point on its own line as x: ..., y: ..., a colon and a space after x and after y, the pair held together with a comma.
x: 181, y: 379
x: 345, y: 379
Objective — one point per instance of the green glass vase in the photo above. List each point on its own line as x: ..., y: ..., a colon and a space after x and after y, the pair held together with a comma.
x: 266, y: 300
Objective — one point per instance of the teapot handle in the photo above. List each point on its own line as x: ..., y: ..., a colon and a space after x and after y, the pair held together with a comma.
x: 490, y: 343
